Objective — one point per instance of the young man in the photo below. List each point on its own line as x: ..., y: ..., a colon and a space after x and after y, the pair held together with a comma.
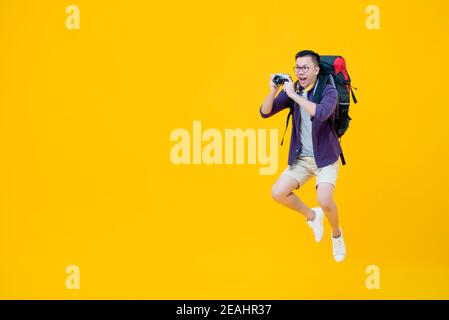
x: 314, y: 147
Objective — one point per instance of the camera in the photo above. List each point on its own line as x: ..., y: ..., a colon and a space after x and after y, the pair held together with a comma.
x: 280, y: 78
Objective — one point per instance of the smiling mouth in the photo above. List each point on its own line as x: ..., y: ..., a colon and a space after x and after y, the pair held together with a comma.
x: 302, y: 79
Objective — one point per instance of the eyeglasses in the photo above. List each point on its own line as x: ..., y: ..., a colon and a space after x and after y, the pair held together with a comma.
x: 303, y: 68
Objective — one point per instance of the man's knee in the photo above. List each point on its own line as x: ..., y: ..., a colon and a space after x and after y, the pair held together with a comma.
x: 325, y: 196
x: 326, y: 202
x: 282, y: 188
x: 277, y: 194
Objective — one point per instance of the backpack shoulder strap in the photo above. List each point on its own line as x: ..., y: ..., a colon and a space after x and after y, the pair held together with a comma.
x: 319, y: 88
x: 290, y: 114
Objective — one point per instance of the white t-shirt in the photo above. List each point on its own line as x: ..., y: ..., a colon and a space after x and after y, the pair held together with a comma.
x: 305, y: 131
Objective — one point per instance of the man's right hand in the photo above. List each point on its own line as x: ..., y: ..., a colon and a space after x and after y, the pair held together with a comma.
x: 273, y: 87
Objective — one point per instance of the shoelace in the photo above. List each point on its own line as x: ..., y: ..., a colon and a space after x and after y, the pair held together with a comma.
x: 339, y: 244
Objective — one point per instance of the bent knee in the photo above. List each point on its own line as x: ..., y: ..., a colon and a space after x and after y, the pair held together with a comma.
x: 277, y: 194
x: 326, y: 203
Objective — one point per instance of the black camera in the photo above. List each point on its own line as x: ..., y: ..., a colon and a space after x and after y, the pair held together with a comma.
x: 280, y: 78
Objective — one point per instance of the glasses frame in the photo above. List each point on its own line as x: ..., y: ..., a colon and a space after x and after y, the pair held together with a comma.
x: 305, y: 68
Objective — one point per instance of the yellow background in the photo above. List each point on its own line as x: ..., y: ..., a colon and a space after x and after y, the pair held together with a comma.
x: 86, y: 178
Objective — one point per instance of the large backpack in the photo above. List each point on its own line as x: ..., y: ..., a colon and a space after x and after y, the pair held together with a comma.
x: 333, y: 71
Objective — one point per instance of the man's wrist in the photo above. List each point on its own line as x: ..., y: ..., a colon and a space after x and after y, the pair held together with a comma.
x: 293, y: 95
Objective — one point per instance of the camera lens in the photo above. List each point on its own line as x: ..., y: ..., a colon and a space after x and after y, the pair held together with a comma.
x: 278, y: 80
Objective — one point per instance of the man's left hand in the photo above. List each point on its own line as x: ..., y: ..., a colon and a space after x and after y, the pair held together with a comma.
x: 289, y: 88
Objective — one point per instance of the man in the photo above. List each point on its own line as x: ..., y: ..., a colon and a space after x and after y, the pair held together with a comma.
x: 314, y: 147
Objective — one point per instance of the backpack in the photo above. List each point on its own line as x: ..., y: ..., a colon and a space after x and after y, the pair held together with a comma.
x: 333, y: 71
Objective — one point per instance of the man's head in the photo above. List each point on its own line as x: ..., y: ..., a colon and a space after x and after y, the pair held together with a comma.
x: 307, y: 67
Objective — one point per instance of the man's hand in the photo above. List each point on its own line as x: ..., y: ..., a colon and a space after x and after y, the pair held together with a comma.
x: 308, y: 106
x: 273, y: 88
x: 289, y: 88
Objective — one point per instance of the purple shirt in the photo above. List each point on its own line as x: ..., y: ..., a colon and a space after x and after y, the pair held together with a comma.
x: 326, y: 147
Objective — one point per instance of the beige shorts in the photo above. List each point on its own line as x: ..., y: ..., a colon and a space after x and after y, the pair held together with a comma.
x: 305, y: 167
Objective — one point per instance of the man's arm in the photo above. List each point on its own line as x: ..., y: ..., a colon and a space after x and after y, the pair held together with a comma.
x: 267, y: 105
x: 307, y: 105
x: 320, y: 111
x: 273, y: 104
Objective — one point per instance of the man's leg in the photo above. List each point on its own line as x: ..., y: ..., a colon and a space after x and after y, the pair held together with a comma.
x: 282, y: 192
x: 325, y: 193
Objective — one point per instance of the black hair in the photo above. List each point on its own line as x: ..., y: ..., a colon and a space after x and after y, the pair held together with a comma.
x: 304, y: 53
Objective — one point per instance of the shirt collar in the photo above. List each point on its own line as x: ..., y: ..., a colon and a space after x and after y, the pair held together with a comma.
x: 300, y: 88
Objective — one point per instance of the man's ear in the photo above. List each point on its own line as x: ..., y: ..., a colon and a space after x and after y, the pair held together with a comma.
x: 317, y: 70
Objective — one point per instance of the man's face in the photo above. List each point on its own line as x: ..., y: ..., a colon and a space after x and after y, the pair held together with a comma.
x: 306, y: 71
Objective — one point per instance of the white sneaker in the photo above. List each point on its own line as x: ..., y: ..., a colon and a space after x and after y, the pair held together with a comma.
x: 339, y: 248
x: 317, y: 224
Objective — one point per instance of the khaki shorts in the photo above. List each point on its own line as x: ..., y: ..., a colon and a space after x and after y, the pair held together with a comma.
x: 305, y: 167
